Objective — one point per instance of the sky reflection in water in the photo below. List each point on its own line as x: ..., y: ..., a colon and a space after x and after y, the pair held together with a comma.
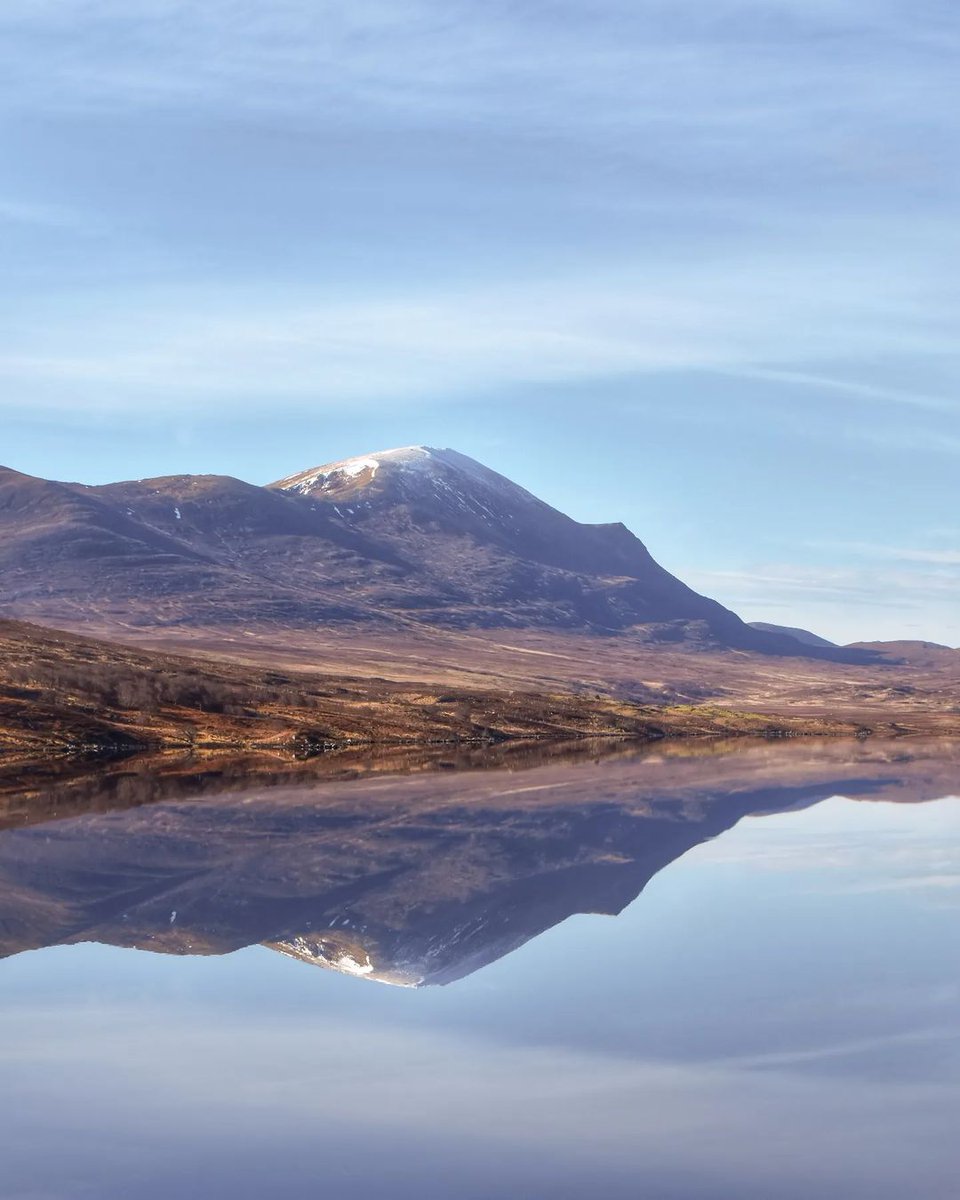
x: 776, y: 1015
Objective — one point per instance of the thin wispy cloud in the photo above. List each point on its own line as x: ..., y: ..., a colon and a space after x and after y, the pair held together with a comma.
x: 844, y: 603
x: 911, y: 554
x: 755, y: 172
x: 457, y: 57
x: 853, y: 389
x: 454, y: 343
x: 46, y: 216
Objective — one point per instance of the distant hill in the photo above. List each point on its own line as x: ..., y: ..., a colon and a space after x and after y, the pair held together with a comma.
x: 913, y: 653
x: 410, y: 537
x: 804, y: 636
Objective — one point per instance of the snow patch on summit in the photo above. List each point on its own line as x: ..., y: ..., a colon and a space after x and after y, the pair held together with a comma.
x: 331, y: 474
x: 443, y: 481
x: 357, y: 466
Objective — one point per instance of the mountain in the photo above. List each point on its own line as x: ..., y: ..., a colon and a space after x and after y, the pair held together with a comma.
x: 415, y: 536
x: 489, y: 553
x: 804, y: 636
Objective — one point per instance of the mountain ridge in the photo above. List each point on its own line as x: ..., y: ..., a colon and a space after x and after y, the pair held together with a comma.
x: 806, y: 636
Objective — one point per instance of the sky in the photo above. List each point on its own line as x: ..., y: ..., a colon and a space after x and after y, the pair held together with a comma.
x: 688, y: 264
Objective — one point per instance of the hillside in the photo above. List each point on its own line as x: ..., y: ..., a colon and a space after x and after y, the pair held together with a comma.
x: 801, y: 635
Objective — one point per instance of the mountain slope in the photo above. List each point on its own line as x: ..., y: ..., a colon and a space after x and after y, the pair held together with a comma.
x: 490, y: 553
x: 801, y: 635
x: 411, y: 535
x: 183, y: 550
x: 483, y: 541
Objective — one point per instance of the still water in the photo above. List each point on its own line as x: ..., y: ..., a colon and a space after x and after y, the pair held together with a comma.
x: 718, y: 975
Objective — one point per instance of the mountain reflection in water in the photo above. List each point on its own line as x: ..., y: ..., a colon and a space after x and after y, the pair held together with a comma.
x: 400, y: 870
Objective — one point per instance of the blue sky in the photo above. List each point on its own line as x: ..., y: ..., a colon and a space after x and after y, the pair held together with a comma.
x: 691, y: 265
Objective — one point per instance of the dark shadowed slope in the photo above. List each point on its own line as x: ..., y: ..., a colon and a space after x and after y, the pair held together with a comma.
x: 801, y: 635
x: 487, y: 552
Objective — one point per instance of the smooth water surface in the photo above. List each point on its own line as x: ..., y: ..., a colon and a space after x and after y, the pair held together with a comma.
x: 229, y: 984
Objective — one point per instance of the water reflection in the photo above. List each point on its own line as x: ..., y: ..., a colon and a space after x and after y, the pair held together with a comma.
x: 776, y: 1016
x: 406, y: 870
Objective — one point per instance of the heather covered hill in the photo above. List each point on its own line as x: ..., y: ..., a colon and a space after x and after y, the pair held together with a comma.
x: 158, y: 552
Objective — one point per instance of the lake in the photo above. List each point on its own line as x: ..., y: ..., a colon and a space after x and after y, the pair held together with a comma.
x: 716, y: 971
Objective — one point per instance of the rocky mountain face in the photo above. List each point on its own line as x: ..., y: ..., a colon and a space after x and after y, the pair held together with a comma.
x: 411, y: 535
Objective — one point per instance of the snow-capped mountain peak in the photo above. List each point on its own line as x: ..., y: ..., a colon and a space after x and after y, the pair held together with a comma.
x: 360, y: 469
x: 435, y: 484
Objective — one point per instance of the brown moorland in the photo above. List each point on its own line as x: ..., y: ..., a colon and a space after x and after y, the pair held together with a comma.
x: 62, y: 692
x: 904, y: 687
